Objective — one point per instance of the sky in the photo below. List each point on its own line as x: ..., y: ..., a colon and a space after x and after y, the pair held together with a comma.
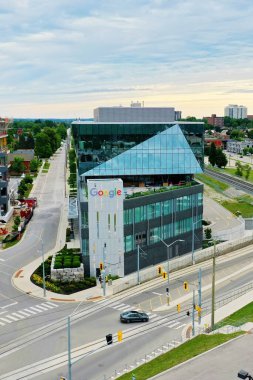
x: 62, y: 58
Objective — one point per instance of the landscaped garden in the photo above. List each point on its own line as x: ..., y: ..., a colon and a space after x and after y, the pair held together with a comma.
x: 65, y: 258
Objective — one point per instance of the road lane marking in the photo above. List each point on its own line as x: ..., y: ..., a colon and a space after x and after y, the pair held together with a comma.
x: 41, y: 307
x: 179, y: 327
x: 174, y: 324
x: 2, y: 260
x: 159, y: 294
x: 11, y: 317
x: 18, y: 315
x: 24, y: 313
x: 30, y: 311
x: 10, y: 304
x: 6, y: 320
x: 38, y: 310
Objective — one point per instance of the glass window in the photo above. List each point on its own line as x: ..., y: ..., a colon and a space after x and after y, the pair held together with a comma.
x: 151, y: 211
x: 158, y: 209
x: 128, y: 243
x: 167, y: 207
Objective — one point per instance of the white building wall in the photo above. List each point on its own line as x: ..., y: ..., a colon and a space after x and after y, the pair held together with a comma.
x: 106, y: 228
x: 235, y: 112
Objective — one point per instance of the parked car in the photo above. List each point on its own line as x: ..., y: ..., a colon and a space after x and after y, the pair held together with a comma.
x: 133, y: 316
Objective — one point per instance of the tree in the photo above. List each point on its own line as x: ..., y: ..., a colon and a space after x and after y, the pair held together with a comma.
x: 208, y: 233
x: 247, y: 169
x: 239, y: 168
x: 42, y: 145
x: 212, y: 154
x: 18, y: 165
x: 34, y: 164
x: 250, y: 133
x: 221, y: 159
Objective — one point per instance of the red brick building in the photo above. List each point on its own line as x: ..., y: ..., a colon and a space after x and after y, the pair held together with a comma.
x: 216, y: 121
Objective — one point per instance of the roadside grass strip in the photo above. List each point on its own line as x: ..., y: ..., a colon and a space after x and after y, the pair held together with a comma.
x: 238, y: 318
x: 218, y: 186
x: 178, y: 355
x: 242, y: 204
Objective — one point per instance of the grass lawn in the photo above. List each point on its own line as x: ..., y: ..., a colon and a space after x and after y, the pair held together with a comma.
x: 179, y: 355
x: 214, y: 183
x: 242, y: 204
x: 231, y: 171
x: 10, y: 244
x: 239, y: 317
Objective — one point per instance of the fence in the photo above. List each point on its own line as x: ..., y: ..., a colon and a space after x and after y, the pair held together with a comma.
x: 180, y: 263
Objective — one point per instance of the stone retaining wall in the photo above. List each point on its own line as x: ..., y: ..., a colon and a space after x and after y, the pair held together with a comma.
x: 66, y: 274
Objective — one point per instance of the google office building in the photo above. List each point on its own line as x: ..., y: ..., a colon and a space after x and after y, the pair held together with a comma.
x: 136, y: 187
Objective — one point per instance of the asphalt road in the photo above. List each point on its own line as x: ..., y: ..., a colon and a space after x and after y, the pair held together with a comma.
x: 222, y: 363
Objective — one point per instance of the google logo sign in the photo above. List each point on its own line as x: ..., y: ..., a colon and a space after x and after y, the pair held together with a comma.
x: 105, y: 193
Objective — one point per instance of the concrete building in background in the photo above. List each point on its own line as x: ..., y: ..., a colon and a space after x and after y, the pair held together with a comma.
x: 236, y: 112
x: 135, y: 113
x: 136, y: 186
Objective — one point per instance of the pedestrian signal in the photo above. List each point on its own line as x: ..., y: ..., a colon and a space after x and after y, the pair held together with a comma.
x: 185, y: 286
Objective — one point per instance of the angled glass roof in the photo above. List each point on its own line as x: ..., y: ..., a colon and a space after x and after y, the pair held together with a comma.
x: 165, y: 153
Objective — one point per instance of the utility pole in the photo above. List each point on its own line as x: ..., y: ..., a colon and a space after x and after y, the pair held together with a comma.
x: 200, y: 296
x: 193, y: 312
x: 103, y: 276
x: 168, y: 273
x: 69, y: 352
x: 213, y: 285
x: 138, y: 264
x: 43, y: 268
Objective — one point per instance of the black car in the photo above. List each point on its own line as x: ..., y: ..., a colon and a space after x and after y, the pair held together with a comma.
x: 133, y: 316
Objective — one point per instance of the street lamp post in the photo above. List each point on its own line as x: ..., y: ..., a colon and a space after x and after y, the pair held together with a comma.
x: 43, y: 263
x: 193, y: 240
x: 213, y: 286
x: 168, y: 262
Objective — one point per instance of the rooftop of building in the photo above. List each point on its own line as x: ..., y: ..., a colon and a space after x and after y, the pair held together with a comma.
x: 137, y: 122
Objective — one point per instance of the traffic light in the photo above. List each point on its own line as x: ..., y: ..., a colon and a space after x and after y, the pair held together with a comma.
x: 188, y: 313
x: 198, y: 309
x: 185, y: 286
x: 159, y: 270
x: 164, y: 275
x: 101, y: 266
x: 178, y: 308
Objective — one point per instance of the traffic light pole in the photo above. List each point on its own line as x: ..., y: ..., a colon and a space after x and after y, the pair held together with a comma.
x: 103, y: 275
x: 193, y: 312
x: 168, y: 274
x: 213, y: 285
x: 138, y: 264
x: 69, y: 352
x: 200, y: 295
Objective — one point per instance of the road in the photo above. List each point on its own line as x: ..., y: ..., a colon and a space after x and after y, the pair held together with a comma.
x: 42, y: 333
x: 223, y: 363
x: 89, y: 327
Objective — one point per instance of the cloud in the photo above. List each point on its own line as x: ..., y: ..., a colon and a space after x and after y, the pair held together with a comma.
x: 107, y: 51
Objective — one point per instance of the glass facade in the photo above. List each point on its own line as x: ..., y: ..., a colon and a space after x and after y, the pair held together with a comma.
x: 167, y: 152
x: 100, y: 142
x: 158, y: 209
x: 166, y: 231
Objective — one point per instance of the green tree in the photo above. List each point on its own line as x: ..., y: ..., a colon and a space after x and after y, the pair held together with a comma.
x: 247, y: 169
x: 34, y: 164
x: 212, y: 154
x: 18, y: 165
x: 239, y: 169
x: 208, y: 233
x: 221, y: 159
x: 42, y: 145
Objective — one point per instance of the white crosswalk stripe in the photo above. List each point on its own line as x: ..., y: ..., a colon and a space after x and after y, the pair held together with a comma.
x: 123, y: 307
x: 12, y: 318
x: 5, y: 320
x: 41, y: 307
x: 30, y: 311
x: 20, y: 316
x: 26, y: 313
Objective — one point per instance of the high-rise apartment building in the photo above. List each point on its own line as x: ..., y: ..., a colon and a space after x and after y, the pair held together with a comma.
x: 236, y: 112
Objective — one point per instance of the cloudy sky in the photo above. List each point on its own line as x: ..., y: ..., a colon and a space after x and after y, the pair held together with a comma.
x: 62, y: 58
